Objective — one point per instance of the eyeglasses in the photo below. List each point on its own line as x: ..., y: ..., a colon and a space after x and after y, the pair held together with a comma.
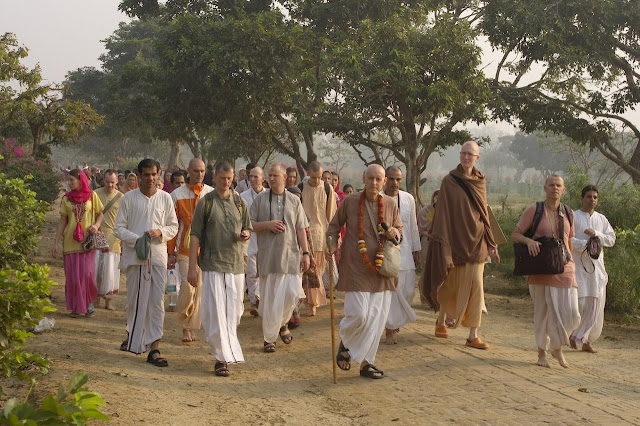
x: 468, y: 154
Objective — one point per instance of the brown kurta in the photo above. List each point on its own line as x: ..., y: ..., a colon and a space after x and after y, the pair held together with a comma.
x: 460, y: 233
x: 354, y: 274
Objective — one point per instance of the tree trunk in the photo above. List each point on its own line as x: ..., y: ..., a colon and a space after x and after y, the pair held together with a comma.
x: 174, y: 154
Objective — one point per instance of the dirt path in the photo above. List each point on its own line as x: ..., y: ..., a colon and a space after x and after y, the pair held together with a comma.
x: 429, y: 380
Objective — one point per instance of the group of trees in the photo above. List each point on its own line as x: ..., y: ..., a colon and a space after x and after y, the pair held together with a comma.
x: 242, y: 78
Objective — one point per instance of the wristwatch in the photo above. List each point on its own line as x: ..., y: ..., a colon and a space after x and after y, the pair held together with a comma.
x: 305, y: 252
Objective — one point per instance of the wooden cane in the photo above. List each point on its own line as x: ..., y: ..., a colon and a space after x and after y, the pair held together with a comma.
x: 333, y: 325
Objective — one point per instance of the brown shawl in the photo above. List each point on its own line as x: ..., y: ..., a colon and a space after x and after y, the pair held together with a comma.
x: 460, y: 233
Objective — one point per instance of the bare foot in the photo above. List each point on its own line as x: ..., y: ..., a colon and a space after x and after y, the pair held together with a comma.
x: 107, y: 305
x: 390, y: 340
x: 186, y: 335
x: 312, y: 311
x: 542, y: 359
x: 588, y: 348
x: 557, y: 354
x: 572, y: 343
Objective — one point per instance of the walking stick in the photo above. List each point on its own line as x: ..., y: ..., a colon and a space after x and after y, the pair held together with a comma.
x: 333, y: 325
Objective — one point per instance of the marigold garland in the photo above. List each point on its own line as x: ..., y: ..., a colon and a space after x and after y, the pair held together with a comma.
x: 362, y: 245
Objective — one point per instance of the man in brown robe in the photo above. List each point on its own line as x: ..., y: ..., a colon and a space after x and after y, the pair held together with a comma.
x: 459, y: 243
x: 368, y: 294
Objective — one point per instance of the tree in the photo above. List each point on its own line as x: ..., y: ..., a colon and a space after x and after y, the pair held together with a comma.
x: 50, y: 118
x: 535, y: 151
x: 589, y: 54
x: 412, y: 74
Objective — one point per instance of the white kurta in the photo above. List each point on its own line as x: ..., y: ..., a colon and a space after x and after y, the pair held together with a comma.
x: 400, y: 312
x: 251, y: 250
x: 138, y: 214
x: 591, y: 286
x: 145, y: 283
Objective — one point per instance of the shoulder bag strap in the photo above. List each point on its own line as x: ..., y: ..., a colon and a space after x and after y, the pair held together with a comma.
x: 112, y: 202
x: 373, y: 221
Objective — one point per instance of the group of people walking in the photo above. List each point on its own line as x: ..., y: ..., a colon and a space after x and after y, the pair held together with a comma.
x: 275, y: 237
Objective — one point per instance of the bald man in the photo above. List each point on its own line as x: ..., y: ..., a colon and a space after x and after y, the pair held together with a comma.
x: 256, y: 179
x: 185, y: 199
x: 279, y: 221
x: 367, y: 292
x: 459, y: 245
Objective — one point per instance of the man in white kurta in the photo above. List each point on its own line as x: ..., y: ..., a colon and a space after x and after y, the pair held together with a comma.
x: 279, y: 221
x: 590, y: 273
x: 107, y: 271
x: 400, y: 312
x: 145, y: 210
x: 220, y: 225
x: 256, y: 178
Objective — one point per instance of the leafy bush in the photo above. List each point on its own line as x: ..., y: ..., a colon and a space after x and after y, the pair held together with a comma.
x: 623, y: 265
x: 75, y: 406
x: 508, y: 220
x: 23, y: 302
x: 18, y: 163
x: 22, y: 220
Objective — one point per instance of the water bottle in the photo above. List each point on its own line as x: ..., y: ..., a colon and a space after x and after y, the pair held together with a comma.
x: 172, y: 290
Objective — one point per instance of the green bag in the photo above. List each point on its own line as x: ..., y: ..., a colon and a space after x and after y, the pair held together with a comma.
x: 143, y: 247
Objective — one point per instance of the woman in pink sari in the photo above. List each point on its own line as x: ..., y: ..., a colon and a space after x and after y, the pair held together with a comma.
x: 335, y: 184
x: 80, y: 214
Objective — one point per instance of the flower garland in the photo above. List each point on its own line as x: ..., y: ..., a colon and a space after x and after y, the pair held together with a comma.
x: 362, y: 245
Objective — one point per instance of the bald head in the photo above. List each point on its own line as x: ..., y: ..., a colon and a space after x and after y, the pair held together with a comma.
x: 196, y: 170
x: 256, y: 177
x: 277, y: 178
x: 471, y: 146
x: 373, y: 180
x: 469, y: 154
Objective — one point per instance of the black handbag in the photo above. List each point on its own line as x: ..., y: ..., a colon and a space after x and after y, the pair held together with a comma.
x: 552, y: 256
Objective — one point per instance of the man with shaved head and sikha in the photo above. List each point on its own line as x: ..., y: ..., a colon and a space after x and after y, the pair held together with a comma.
x: 256, y: 178
x: 459, y: 244
x: 368, y: 293
x: 184, y: 200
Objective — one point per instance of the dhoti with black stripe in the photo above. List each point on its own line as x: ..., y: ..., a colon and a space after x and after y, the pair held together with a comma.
x: 219, y: 314
x: 145, y: 305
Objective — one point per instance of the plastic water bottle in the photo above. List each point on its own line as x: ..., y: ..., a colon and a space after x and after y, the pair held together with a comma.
x: 172, y: 290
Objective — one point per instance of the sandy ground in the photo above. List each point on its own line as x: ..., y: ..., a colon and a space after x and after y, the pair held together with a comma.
x: 428, y: 380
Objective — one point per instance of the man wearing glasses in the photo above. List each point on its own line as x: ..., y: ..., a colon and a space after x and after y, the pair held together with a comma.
x: 459, y: 244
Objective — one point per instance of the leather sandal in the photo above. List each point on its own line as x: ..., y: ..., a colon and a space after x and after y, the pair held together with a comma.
x: 159, y: 361
x: 371, y: 372
x: 342, y: 358
x: 441, y: 331
x: 476, y: 343
x: 286, y: 338
x: 221, y: 369
x: 269, y: 347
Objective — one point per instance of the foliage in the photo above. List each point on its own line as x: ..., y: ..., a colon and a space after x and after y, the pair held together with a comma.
x: 51, y: 119
x: 534, y: 151
x: 623, y: 265
x: 589, y: 51
x: 24, y: 301
x: 72, y: 406
x: 507, y: 221
x: 23, y: 218
x: 39, y: 174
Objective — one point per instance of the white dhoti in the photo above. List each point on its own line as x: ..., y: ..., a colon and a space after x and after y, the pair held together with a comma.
x: 253, y: 281
x: 219, y: 315
x: 278, y: 294
x: 555, y: 314
x: 107, y: 273
x: 365, y: 315
x: 591, y: 318
x: 400, y: 312
x: 145, y: 306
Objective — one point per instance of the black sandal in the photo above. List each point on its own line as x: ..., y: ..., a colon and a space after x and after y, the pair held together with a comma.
x: 124, y: 345
x: 287, y: 338
x: 340, y: 357
x: 158, y: 362
x: 221, y: 369
x: 371, y: 372
x: 269, y: 347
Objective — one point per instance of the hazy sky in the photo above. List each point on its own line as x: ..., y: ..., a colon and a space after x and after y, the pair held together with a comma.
x: 61, y: 35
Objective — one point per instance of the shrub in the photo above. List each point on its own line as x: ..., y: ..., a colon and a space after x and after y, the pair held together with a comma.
x: 15, y: 162
x: 623, y: 265
x: 22, y: 220
x: 23, y: 302
x: 74, y: 405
